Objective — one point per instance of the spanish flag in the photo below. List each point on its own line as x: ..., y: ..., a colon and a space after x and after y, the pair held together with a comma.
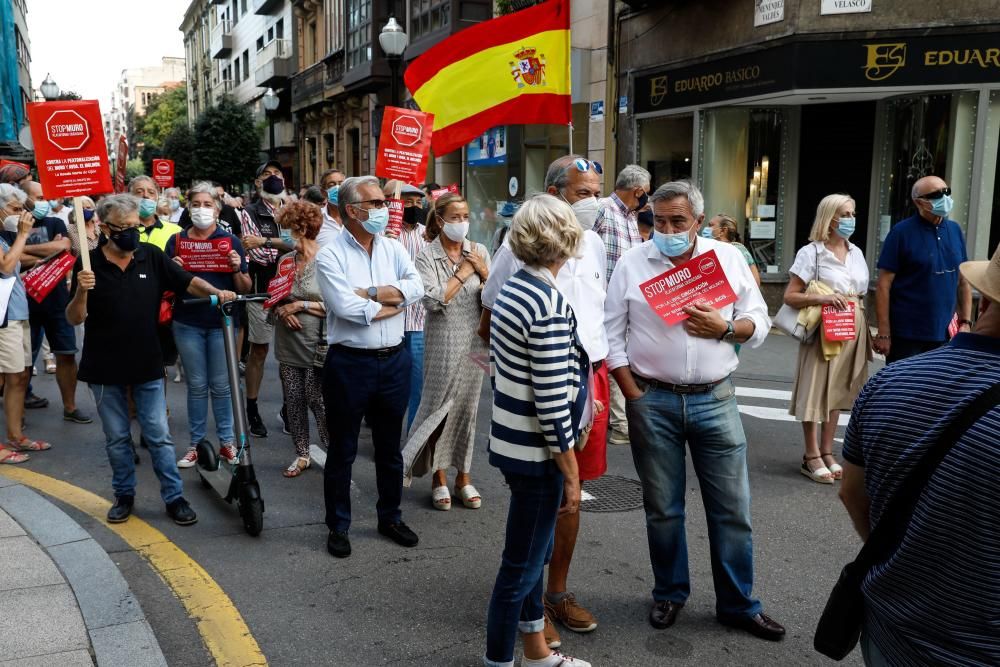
x: 512, y: 70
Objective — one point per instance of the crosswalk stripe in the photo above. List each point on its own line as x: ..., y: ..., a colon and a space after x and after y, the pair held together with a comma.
x: 781, y: 414
x: 754, y: 392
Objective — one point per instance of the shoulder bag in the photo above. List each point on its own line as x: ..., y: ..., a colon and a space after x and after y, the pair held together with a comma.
x: 839, y: 627
x: 787, y: 319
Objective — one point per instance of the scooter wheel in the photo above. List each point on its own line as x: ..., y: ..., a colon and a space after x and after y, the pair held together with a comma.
x: 252, y: 510
x: 207, y: 457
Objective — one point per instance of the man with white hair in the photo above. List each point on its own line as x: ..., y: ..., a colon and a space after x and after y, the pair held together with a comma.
x: 676, y: 379
x: 173, y: 197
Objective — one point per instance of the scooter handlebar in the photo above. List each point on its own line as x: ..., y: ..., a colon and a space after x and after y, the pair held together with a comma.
x: 214, y: 300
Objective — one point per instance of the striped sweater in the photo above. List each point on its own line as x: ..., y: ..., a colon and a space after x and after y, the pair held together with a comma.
x: 538, y: 373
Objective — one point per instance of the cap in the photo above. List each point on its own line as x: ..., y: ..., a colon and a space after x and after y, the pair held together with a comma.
x: 405, y: 189
x: 269, y: 163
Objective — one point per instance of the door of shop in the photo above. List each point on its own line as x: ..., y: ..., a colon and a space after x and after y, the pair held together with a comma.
x: 835, y: 155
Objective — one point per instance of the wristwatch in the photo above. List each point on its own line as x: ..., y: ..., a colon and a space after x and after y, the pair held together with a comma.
x: 373, y: 293
x: 267, y: 243
x: 961, y: 322
x: 730, y: 335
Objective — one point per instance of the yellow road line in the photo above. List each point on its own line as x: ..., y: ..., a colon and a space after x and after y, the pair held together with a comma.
x: 221, y: 625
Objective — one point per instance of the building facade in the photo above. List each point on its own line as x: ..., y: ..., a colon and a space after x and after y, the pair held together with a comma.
x: 135, y: 90
x: 770, y: 106
x: 198, y: 62
x: 15, y: 75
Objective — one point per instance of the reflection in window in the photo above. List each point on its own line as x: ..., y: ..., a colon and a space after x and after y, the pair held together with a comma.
x: 427, y: 16
x: 359, y: 32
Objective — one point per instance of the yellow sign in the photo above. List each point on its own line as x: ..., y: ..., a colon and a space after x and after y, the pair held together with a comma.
x: 884, y: 60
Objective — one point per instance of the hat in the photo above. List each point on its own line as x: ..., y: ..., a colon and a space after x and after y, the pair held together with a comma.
x: 984, y: 276
x: 269, y: 163
x: 406, y: 190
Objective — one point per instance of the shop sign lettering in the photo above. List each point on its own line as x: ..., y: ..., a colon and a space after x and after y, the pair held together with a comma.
x: 981, y: 57
x: 768, y: 11
x: 884, y: 60
x: 845, y: 6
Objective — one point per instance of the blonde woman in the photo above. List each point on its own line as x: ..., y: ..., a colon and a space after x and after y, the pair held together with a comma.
x: 825, y: 384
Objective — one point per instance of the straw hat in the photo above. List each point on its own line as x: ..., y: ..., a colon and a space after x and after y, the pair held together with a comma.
x: 984, y: 276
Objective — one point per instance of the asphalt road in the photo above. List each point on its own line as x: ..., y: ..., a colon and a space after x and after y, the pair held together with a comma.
x: 427, y: 606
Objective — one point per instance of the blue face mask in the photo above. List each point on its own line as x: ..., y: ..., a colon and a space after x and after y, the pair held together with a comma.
x: 941, y: 206
x: 333, y: 195
x: 147, y: 207
x: 41, y: 209
x: 845, y: 227
x: 378, y: 220
x: 706, y: 233
x: 286, y: 236
x: 672, y: 245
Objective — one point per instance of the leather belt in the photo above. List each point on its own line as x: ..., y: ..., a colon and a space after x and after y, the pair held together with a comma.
x: 379, y: 353
x: 680, y: 388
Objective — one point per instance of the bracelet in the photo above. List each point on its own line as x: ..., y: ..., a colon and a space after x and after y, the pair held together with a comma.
x: 880, y: 337
x: 459, y: 278
x: 961, y: 322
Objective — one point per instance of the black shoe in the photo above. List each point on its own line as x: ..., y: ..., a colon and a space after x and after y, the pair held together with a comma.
x: 257, y: 428
x: 760, y: 625
x: 181, y: 512
x: 33, y: 402
x: 283, y: 416
x: 121, y: 510
x: 338, y: 544
x: 399, y: 533
x: 664, y: 614
x: 77, y: 416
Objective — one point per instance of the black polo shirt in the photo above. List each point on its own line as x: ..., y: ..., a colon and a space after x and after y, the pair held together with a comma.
x: 120, y: 344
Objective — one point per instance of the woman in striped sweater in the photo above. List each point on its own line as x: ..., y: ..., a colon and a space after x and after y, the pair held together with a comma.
x: 539, y: 372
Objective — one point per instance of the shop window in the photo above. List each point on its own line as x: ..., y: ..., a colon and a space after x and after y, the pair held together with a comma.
x: 428, y: 16
x: 359, y: 43
x: 665, y: 148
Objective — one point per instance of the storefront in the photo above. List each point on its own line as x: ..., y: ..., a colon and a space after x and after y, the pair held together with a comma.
x: 769, y: 132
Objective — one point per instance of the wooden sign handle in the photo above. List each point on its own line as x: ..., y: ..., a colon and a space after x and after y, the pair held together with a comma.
x: 81, y: 231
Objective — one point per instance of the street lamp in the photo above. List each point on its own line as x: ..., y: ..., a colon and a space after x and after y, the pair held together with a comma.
x: 270, y: 102
x: 393, y: 40
x: 49, y: 88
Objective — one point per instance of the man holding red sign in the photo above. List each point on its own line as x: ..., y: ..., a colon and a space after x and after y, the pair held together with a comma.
x: 674, y: 369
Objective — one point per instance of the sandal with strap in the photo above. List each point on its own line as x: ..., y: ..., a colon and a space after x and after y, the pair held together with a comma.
x: 820, y: 475
x: 836, y: 470
x: 441, y: 498
x: 298, y: 465
x: 24, y: 444
x: 10, y: 456
x: 470, y: 497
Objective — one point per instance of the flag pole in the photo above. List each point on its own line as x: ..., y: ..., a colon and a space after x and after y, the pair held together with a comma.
x: 570, y: 126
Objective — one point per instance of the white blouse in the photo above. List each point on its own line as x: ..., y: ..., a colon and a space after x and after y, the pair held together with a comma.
x: 849, y: 277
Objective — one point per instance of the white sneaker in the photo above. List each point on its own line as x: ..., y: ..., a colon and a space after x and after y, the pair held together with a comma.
x: 227, y: 452
x: 189, y: 459
x: 557, y: 659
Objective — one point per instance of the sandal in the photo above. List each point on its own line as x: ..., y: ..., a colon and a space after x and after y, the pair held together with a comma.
x: 820, y: 475
x: 441, y: 498
x: 298, y: 465
x: 10, y: 456
x: 470, y: 497
x: 836, y: 470
x: 26, y: 445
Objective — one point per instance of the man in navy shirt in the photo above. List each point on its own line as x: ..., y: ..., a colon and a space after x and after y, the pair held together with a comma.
x: 919, y: 286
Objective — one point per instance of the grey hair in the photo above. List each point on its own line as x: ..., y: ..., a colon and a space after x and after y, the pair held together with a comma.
x: 139, y: 179
x: 349, y: 189
x: 544, y: 230
x: 8, y: 192
x: 675, y: 189
x: 84, y: 201
x: 113, y: 207
x: 632, y: 176
x: 171, y: 191
x: 558, y: 174
x: 204, y: 188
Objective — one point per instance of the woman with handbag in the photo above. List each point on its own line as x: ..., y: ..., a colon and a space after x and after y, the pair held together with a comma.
x: 453, y: 270
x: 300, y: 333
x: 829, y: 274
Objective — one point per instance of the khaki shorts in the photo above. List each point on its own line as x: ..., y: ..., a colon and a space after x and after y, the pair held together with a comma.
x: 15, y: 347
x: 261, y: 332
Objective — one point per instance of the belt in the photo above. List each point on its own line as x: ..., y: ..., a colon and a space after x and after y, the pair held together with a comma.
x: 596, y: 365
x: 379, y: 353
x: 680, y: 388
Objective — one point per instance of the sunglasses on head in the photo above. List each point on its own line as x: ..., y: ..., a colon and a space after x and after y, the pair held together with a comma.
x: 584, y: 165
x: 936, y: 194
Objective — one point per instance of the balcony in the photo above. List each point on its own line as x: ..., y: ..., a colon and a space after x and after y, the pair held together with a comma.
x: 265, y: 7
x: 222, y: 87
x: 307, y: 86
x: 275, y: 64
x: 222, y: 40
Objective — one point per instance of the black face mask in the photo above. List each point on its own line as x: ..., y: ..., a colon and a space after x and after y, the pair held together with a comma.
x: 643, y: 200
x: 646, y: 218
x: 414, y: 215
x: 126, y: 240
x: 273, y: 185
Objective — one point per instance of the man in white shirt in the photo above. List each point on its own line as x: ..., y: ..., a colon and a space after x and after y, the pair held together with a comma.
x: 367, y: 280
x: 582, y: 281
x: 57, y: 209
x: 330, y: 181
x: 173, y: 196
x: 677, y: 386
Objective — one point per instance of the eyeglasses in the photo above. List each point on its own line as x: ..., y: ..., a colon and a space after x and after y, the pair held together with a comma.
x: 374, y: 203
x: 584, y: 165
x: 116, y: 229
x: 937, y: 194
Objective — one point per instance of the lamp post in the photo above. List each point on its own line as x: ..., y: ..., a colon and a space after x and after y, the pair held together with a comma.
x: 49, y: 88
x: 270, y: 105
x: 393, y: 40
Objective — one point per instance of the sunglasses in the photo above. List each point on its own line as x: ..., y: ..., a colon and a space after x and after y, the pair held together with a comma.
x: 937, y: 194
x: 584, y: 165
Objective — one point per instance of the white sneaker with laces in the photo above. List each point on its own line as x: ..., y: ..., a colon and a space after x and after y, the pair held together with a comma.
x: 189, y: 459
x: 228, y: 452
x: 556, y: 659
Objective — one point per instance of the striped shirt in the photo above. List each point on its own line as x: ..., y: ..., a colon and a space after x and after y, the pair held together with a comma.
x: 937, y: 599
x: 414, y: 241
x: 538, y: 373
x: 618, y: 227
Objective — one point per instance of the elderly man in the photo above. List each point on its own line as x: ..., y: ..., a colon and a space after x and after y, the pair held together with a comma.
x: 367, y: 281
x: 152, y: 230
x: 582, y: 281
x: 618, y: 226
x: 676, y: 380
x: 173, y: 197
x: 920, y: 610
x: 330, y: 181
x: 118, y: 301
x: 919, y: 286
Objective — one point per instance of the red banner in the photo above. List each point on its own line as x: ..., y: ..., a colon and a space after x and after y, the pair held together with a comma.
x: 4, y: 163
x: 839, y: 324
x: 443, y: 191
x: 205, y: 255
x: 70, y: 151
x: 698, y: 280
x: 280, y: 287
x: 121, y: 163
x: 395, y: 226
x: 404, y: 144
x: 43, y: 278
x: 163, y: 173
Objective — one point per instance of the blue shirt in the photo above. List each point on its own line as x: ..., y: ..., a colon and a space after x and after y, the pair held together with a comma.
x: 925, y: 259
x: 344, y: 266
x: 55, y: 303
x: 17, y: 307
x: 937, y: 599
x: 207, y: 316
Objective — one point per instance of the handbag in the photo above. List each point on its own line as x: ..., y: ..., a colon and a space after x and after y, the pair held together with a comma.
x: 166, y: 316
x: 839, y: 628
x: 787, y: 319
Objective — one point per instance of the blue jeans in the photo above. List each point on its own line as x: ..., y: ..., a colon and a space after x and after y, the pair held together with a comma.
x: 659, y: 424
x: 516, y: 603
x: 204, y: 355
x: 151, y: 411
x: 415, y: 344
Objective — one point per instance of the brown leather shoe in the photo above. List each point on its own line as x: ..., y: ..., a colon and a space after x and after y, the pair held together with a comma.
x: 760, y: 625
x: 568, y: 612
x: 664, y: 614
x: 552, y: 638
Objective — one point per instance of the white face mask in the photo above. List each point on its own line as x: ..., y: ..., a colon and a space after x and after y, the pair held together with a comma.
x: 586, y: 210
x: 202, y: 218
x: 456, y: 231
x: 10, y: 223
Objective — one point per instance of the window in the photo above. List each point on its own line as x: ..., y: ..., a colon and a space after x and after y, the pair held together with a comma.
x: 427, y: 16
x: 243, y: 6
x: 246, y: 64
x: 236, y: 12
x: 359, y: 32
x: 236, y: 68
x: 260, y: 43
x: 279, y: 29
x: 270, y: 34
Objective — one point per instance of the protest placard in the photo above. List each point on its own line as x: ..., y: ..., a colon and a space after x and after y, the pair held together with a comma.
x: 698, y: 280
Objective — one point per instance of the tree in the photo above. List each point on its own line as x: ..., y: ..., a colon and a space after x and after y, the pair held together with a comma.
x: 226, y: 144
x: 69, y: 95
x: 134, y: 168
x: 164, y: 113
x: 179, y: 147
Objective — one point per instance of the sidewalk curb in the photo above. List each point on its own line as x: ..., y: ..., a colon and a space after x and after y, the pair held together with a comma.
x: 118, y: 630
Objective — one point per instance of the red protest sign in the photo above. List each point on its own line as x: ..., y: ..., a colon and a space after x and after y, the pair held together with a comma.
x: 838, y: 325
x: 121, y: 163
x: 698, y: 280
x: 4, y: 163
x: 43, y: 278
x: 280, y: 287
x: 395, y: 226
x: 69, y: 148
x: 205, y: 255
x: 163, y: 173
x: 404, y: 144
x: 443, y: 191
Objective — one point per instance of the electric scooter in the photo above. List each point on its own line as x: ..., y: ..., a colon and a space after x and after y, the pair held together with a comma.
x: 233, y: 481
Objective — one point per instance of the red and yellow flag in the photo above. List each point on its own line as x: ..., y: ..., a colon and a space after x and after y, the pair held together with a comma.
x: 512, y: 70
